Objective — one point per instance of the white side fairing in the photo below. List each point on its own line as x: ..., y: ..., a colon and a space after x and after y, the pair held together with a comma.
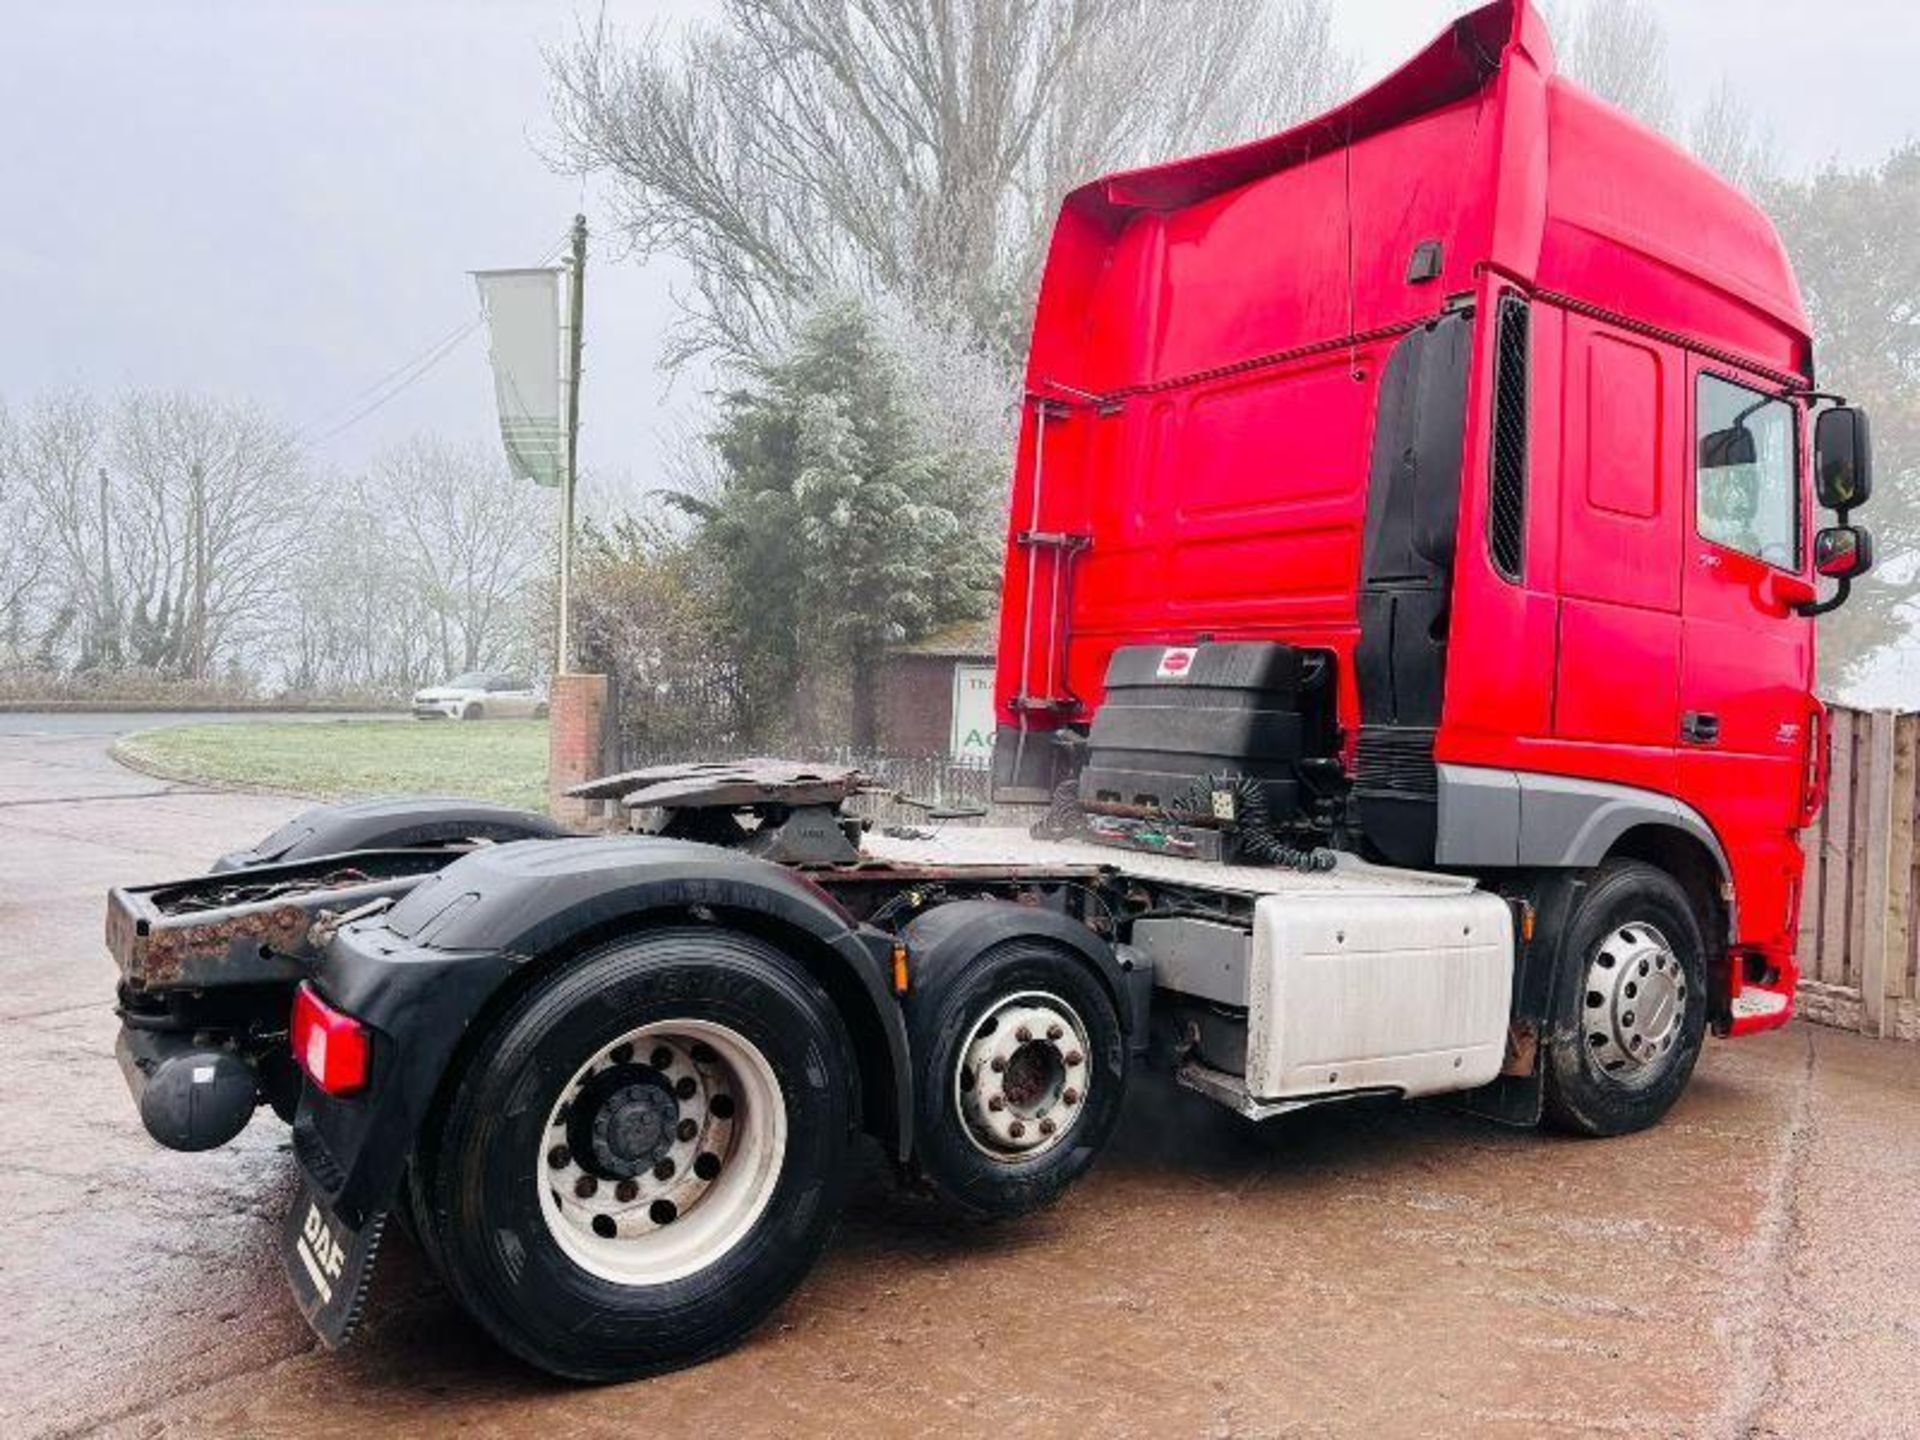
x: 1358, y: 993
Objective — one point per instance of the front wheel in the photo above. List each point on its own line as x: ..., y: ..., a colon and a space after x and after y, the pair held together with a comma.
x: 1633, y: 1005
x: 646, y: 1155
x: 475, y: 711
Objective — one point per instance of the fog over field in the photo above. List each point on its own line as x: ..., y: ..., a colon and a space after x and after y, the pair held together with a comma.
x: 278, y: 204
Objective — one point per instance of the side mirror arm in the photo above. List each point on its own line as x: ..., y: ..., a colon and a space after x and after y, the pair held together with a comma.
x: 1810, y: 608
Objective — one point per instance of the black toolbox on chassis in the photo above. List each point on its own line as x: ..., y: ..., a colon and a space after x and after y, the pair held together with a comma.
x: 1175, y: 715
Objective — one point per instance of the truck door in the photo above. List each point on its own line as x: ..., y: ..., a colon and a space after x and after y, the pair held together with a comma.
x: 1622, y: 508
x: 1747, y: 668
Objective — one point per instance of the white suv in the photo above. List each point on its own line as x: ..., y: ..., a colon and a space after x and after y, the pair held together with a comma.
x: 480, y: 695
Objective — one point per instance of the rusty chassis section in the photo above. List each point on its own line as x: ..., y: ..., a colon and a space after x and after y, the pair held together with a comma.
x: 263, y: 926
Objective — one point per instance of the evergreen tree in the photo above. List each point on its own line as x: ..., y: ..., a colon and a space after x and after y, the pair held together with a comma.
x: 835, y: 528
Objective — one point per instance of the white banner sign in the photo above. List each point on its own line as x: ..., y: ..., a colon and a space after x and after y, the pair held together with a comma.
x: 972, y: 740
x: 523, y: 323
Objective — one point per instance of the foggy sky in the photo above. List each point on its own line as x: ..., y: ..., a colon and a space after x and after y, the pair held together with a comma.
x: 281, y: 200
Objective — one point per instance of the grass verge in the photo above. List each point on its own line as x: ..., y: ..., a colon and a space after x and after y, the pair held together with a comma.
x: 504, y: 760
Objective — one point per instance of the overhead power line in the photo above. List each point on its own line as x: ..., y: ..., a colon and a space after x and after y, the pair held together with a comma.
x: 402, y: 378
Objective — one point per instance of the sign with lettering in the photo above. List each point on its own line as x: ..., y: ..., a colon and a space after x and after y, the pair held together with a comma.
x: 973, y: 720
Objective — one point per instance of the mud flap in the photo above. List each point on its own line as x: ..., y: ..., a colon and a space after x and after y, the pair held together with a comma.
x: 329, y: 1264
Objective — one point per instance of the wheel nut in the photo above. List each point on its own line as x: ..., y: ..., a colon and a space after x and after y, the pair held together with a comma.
x: 997, y: 1065
x: 626, y: 1190
x: 661, y: 1058
x: 1047, y: 1127
x: 1070, y: 1096
x: 687, y: 1129
x: 1074, y: 1057
x: 1023, y: 1034
x: 585, y: 1186
x: 664, y: 1170
x: 558, y: 1157
x: 685, y: 1086
x: 1016, y: 1130
x: 996, y: 1104
x: 1054, y: 1032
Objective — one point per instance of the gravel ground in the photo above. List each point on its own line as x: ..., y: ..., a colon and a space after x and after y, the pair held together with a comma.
x: 1748, y: 1268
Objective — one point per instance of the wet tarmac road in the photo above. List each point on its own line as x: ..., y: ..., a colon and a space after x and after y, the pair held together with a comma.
x: 1752, y: 1267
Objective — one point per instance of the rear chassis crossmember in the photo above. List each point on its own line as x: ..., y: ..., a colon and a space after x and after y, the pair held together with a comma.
x: 207, y: 971
x: 261, y: 926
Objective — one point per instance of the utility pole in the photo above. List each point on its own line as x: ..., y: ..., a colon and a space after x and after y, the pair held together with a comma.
x: 577, y: 293
x: 199, y: 571
x: 109, y: 618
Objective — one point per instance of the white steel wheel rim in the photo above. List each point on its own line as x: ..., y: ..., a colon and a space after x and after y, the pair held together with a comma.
x: 1022, y: 1080
x: 723, y: 1143
x: 1634, y: 1008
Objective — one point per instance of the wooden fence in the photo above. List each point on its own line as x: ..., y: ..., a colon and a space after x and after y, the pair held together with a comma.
x: 1859, y: 945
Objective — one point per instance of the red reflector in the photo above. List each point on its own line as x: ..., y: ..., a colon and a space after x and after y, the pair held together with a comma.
x: 330, y: 1046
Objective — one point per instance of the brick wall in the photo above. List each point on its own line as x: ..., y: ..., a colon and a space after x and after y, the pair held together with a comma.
x: 577, y: 746
x: 916, y: 704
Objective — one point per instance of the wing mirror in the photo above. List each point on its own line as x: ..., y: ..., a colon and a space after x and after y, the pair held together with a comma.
x: 1843, y: 552
x: 1725, y: 448
x: 1842, y: 460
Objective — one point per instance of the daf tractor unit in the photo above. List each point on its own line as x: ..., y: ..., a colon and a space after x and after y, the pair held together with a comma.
x: 1407, y: 655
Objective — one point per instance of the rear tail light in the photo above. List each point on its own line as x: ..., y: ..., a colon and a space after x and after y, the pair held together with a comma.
x: 329, y: 1045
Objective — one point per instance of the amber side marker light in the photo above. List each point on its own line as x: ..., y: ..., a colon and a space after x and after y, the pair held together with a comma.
x: 330, y: 1046
x: 900, y: 978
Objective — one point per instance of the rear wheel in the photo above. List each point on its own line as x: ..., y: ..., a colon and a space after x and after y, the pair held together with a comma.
x: 1020, y: 1067
x: 1633, y: 1005
x: 646, y: 1156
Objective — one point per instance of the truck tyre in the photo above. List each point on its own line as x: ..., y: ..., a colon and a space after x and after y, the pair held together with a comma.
x: 1633, y: 1004
x: 1019, y: 1070
x: 643, y: 1156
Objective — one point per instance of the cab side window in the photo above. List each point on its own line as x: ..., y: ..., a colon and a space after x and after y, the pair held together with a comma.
x: 1747, y: 462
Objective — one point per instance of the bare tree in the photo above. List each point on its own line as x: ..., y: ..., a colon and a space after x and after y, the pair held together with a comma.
x: 212, y: 508
x: 1726, y: 135
x: 359, y: 619
x: 804, y: 148
x: 1618, y: 50
x: 54, y: 457
x: 24, y: 555
x: 471, y: 535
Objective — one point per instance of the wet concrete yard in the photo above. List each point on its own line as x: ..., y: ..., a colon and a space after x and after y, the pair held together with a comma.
x: 1752, y: 1267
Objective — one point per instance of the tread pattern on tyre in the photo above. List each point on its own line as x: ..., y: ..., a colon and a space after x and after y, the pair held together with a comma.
x: 478, y: 1209
x: 1579, y: 1097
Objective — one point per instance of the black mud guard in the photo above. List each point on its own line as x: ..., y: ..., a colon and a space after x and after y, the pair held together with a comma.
x: 945, y: 940
x: 423, y: 973
x: 1543, y: 1004
x: 390, y: 823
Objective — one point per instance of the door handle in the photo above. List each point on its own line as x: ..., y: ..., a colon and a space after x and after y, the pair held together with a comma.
x: 1700, y: 727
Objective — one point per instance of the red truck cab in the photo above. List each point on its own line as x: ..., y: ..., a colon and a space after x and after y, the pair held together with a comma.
x: 1408, y: 622
x: 1503, y: 403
